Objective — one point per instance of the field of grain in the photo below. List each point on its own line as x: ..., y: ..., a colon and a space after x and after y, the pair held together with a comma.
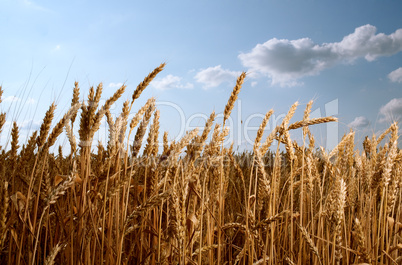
x: 195, y: 201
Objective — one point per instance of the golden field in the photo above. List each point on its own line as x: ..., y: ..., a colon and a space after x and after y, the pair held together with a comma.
x: 195, y: 201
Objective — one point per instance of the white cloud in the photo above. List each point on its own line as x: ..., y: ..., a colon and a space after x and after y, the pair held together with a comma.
x: 396, y: 75
x: 391, y: 111
x: 29, y: 125
x: 115, y: 85
x: 170, y: 82
x: 214, y: 76
x: 14, y: 99
x: 359, y: 123
x: 254, y: 83
x: 25, y: 125
x: 32, y: 5
x: 11, y: 99
x: 55, y: 49
x: 30, y: 101
x: 285, y: 61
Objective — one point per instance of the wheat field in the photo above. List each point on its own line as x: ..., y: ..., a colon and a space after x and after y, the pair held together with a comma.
x: 194, y: 201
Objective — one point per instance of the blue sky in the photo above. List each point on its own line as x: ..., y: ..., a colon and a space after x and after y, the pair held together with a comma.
x: 346, y: 55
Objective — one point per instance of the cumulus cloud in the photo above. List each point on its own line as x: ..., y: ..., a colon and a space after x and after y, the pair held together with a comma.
x: 23, y: 126
x: 170, y: 82
x: 115, y: 85
x: 396, y: 75
x: 285, y: 61
x: 56, y: 48
x: 29, y: 125
x: 32, y: 5
x: 11, y: 99
x: 214, y: 76
x: 14, y: 99
x: 359, y: 123
x: 30, y: 101
x: 391, y: 111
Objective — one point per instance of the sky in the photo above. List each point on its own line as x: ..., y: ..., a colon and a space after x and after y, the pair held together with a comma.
x: 344, y: 55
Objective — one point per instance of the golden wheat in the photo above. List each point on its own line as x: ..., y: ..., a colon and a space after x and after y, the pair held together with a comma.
x: 196, y: 201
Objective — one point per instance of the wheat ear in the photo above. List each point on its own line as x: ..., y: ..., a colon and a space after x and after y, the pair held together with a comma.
x: 53, y: 253
x: 58, y: 129
x: 339, y: 217
x: 261, y: 129
x: 306, y: 117
x: 2, y: 115
x: 14, y: 142
x: 341, y: 143
x: 3, y: 211
x: 146, y: 81
x: 233, y: 97
x: 309, y: 241
x: 99, y: 115
x: 268, y: 141
x: 152, y: 136
x: 45, y: 127
x: 363, y: 254
x: 93, y: 103
x: 314, y: 121
x: 2, y: 120
x: 264, y: 185
x: 134, y: 121
x: 141, y: 131
x: 124, y: 116
x: 75, y: 99
x: 392, y: 154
